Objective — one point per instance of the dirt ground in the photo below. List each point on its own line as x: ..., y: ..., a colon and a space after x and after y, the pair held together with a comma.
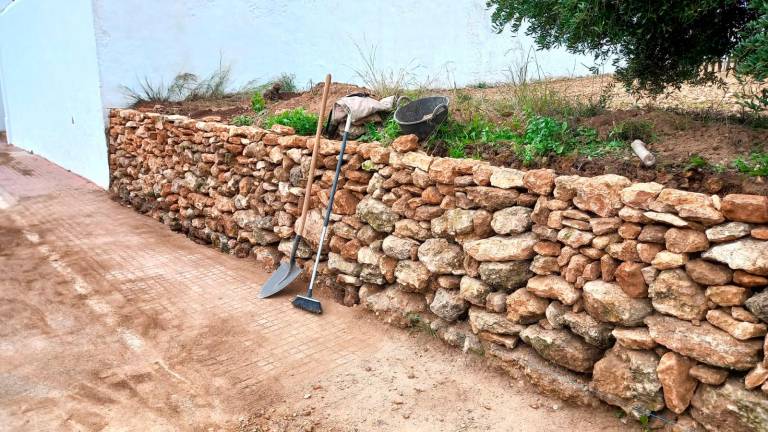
x: 111, y: 322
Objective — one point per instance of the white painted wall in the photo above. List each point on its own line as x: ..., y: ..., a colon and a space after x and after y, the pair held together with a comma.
x: 452, y: 41
x: 51, y: 83
x: 2, y: 105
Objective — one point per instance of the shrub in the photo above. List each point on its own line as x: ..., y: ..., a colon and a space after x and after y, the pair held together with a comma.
x: 302, y: 122
x: 257, y: 102
x: 242, y: 120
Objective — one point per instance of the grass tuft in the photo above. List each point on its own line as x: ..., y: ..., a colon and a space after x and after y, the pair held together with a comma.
x: 303, y: 122
x: 242, y: 120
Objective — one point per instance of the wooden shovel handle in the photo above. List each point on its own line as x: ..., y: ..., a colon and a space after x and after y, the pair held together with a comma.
x: 311, y: 179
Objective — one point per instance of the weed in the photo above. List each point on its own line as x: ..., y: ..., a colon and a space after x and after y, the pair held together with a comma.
x: 257, y: 102
x: 368, y: 165
x: 384, y: 135
x: 213, y: 87
x: 632, y: 129
x: 418, y: 323
x: 148, y: 92
x: 302, y: 122
x: 544, y: 136
x: 588, y: 143
x: 383, y: 83
x: 287, y: 82
x: 756, y: 165
x: 696, y: 161
x: 478, y: 130
x: 242, y: 120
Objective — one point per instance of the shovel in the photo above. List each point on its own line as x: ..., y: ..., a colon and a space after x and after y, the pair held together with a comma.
x: 306, y: 302
x: 289, y: 271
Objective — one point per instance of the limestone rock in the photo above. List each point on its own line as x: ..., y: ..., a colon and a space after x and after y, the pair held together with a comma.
x: 506, y: 178
x: 575, y: 238
x: 746, y: 254
x: 707, y: 273
x: 524, y: 307
x: 738, y: 329
x: 491, y: 198
x: 409, y: 228
x: 745, y: 208
x: 516, y: 247
x: 441, y: 256
x: 678, y: 385
x: 400, y: 248
x: 685, y: 240
x: 758, y: 305
x: 392, y: 305
x: 730, y: 408
x: 554, y: 287
x: 539, y: 181
x: 607, y: 302
x: 376, y: 214
x: 338, y: 264
x: 627, y: 379
x: 511, y: 220
x: 592, y: 331
x: 453, y: 222
x: 630, y: 278
x: 666, y: 260
x: 548, y: 377
x: 636, y: 338
x: 484, y: 321
x: 412, y: 276
x: 674, y: 293
x: 601, y: 194
x: 505, y: 275
x: 474, y: 290
x: 562, y: 347
x: 641, y: 195
x: 704, y: 343
x: 708, y: 375
x: 406, y: 143
x: 728, y: 231
x: 727, y: 295
x: 448, y: 305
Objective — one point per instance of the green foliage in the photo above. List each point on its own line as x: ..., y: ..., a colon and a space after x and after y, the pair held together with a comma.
x: 302, y: 122
x: 752, y: 53
x: 696, y: 162
x: 544, y: 136
x: 754, y: 165
x: 632, y: 129
x: 652, y: 45
x: 384, y: 135
x: 589, y: 144
x: 242, y: 120
x: 418, y: 323
x: 478, y: 130
x: 257, y: 102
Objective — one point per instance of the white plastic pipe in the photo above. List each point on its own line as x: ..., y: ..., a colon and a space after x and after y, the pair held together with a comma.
x: 642, y: 152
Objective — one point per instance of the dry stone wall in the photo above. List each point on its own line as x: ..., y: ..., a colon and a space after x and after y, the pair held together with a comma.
x: 596, y: 289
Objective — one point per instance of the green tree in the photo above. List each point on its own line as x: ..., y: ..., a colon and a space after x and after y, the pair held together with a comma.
x: 652, y: 43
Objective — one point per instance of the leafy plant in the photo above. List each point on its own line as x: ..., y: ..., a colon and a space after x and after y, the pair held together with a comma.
x: 257, y: 102
x: 242, y: 120
x: 755, y: 165
x: 478, y: 130
x: 696, y: 161
x: 384, y: 135
x: 302, y: 122
x: 589, y: 144
x: 544, y: 136
x: 632, y: 129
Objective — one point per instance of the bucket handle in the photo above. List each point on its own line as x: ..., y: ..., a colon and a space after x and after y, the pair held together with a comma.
x: 403, y: 100
x: 438, y: 110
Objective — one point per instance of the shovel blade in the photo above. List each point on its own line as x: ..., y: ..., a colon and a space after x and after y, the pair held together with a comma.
x: 281, y: 278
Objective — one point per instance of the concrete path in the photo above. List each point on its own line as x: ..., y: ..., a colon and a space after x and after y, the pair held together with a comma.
x: 109, y: 321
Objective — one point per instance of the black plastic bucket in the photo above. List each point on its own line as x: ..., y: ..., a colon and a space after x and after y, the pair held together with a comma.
x: 422, y: 116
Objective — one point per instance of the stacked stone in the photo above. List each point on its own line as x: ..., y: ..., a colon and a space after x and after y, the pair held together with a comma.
x: 237, y: 188
x: 596, y: 289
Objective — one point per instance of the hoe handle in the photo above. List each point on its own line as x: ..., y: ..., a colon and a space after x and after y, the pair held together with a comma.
x: 311, y: 178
